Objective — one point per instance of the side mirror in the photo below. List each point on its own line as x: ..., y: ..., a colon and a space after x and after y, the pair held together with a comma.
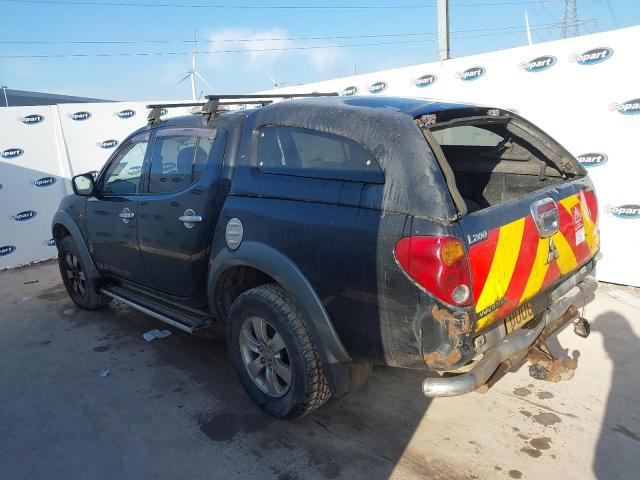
x: 83, y: 184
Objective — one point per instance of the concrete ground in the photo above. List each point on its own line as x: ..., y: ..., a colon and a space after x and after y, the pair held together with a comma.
x: 173, y: 409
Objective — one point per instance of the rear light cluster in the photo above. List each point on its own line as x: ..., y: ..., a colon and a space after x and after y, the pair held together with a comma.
x: 437, y: 264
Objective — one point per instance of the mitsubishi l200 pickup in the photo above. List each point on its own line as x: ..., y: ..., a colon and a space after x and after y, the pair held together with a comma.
x: 327, y: 234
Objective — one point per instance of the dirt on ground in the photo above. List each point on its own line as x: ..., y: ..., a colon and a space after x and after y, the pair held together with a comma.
x: 82, y: 395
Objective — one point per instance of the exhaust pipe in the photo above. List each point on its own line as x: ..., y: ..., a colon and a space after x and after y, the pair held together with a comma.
x: 479, y: 375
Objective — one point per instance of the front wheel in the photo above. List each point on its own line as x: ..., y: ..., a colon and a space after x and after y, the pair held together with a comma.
x: 274, y: 354
x: 83, y: 290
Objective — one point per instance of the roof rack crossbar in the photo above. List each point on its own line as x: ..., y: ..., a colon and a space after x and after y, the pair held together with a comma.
x: 209, y: 108
x: 198, y: 104
x: 275, y: 95
x: 213, y: 103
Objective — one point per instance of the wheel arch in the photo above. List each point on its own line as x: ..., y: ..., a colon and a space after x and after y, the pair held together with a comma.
x: 342, y: 372
x: 63, y: 226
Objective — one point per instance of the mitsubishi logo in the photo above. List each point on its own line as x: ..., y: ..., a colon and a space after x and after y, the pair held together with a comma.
x: 553, y: 251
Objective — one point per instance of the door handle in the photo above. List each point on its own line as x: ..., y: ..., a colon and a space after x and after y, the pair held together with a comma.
x: 126, y: 215
x: 189, y: 218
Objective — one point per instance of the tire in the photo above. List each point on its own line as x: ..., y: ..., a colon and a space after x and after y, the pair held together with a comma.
x: 307, y: 388
x: 84, y: 291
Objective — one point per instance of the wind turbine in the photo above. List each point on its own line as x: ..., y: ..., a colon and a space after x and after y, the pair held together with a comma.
x: 192, y: 73
x: 276, y: 84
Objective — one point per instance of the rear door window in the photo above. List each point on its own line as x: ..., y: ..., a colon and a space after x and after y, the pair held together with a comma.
x: 178, y: 160
x: 311, y: 153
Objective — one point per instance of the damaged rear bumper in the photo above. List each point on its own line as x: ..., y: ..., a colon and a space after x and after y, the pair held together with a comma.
x: 516, y: 346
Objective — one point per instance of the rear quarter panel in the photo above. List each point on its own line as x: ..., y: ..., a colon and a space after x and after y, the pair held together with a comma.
x: 349, y: 263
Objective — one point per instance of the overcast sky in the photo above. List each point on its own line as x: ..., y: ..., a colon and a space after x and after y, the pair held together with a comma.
x: 155, y: 77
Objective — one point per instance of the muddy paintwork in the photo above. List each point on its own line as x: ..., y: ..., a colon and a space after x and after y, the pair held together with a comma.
x: 336, y: 236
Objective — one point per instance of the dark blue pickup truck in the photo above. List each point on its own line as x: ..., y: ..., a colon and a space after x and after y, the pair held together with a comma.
x: 329, y: 234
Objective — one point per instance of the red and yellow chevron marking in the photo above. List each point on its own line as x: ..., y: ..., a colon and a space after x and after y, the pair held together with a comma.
x: 510, y: 266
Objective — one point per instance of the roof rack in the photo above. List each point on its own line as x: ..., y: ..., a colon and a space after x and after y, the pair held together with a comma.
x: 208, y: 108
x: 274, y: 95
x: 213, y: 104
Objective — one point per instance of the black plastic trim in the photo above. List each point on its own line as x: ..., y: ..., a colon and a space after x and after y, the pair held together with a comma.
x: 63, y: 218
x: 335, y: 359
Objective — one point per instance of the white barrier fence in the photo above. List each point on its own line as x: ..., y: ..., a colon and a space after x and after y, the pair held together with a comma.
x: 582, y: 91
x: 34, y: 175
x: 41, y: 148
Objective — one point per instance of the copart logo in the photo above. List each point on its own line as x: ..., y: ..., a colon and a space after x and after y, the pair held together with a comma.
x: 539, y: 64
x: 630, y: 107
x: 44, y: 181
x: 377, y: 87
x: 624, y: 211
x: 593, y: 56
x: 80, y: 116
x: 167, y: 167
x: 425, y: 81
x: 471, y: 74
x: 7, y: 249
x: 135, y: 170
x: 12, y: 153
x: 126, y: 113
x: 590, y: 160
x: 49, y: 243
x: 108, y: 144
x: 347, y: 92
x: 32, y: 119
x: 23, y: 216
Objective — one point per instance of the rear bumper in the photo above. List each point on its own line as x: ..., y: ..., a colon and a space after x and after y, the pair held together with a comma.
x: 516, y: 345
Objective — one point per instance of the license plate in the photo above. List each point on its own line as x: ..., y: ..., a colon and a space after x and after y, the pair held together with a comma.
x: 519, y: 317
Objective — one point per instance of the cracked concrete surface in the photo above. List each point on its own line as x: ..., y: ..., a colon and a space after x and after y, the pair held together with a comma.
x: 174, y: 409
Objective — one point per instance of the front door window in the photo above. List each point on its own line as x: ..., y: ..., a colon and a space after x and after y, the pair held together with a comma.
x: 123, y: 176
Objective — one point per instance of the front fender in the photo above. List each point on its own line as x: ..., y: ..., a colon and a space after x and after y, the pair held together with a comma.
x: 63, y: 218
x: 343, y: 374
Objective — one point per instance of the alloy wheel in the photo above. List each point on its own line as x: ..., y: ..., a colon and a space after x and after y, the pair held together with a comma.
x: 265, y: 356
x: 74, y: 272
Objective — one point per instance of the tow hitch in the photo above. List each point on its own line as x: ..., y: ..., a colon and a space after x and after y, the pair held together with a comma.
x: 547, y: 366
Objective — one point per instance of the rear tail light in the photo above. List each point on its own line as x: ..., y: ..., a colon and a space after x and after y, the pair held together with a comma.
x: 437, y: 264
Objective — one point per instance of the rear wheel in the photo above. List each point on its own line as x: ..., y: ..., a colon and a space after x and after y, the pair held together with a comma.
x: 274, y: 354
x: 83, y: 290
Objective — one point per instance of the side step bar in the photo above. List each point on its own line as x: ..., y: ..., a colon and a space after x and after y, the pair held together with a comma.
x: 187, y: 321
